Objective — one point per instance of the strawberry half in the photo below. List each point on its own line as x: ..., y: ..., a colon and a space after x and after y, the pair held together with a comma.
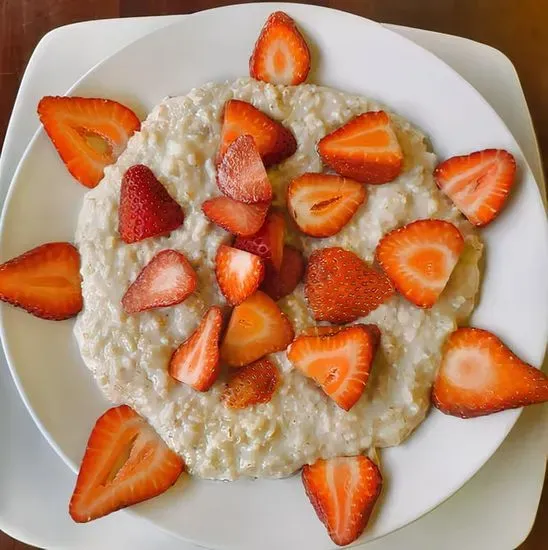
x: 339, y: 362
x: 478, y: 183
x: 256, y: 328
x: 45, y: 281
x: 479, y: 375
x: 251, y: 385
x: 281, y: 55
x: 365, y: 149
x: 236, y: 217
x: 125, y: 462
x: 278, y: 284
x: 196, y: 361
x: 238, y: 272
x: 88, y: 133
x: 241, y: 174
x: 168, y: 279
x: 420, y: 257
x: 268, y: 242
x: 274, y: 141
x: 146, y: 208
x: 340, y: 287
x: 343, y: 491
x: 322, y: 204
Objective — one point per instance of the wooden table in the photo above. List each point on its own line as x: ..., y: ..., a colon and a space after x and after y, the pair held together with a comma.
x: 517, y: 28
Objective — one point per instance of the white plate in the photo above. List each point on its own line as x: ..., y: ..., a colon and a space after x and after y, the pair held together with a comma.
x: 445, y: 452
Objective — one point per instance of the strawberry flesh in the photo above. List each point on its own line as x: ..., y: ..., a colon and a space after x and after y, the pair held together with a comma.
x: 278, y: 284
x: 236, y: 217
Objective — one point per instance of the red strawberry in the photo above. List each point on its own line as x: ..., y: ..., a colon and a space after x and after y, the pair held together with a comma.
x: 343, y: 491
x: 146, y: 208
x: 479, y: 375
x: 168, y: 279
x: 238, y: 272
x: 339, y: 362
x: 281, y: 55
x: 340, y: 287
x: 268, y: 242
x: 241, y: 174
x: 88, y: 133
x: 420, y: 257
x: 236, y: 217
x: 278, y: 284
x: 196, y: 361
x: 478, y: 183
x: 256, y: 328
x: 323, y: 330
x: 274, y: 141
x: 252, y: 384
x: 365, y: 149
x: 322, y: 204
x: 125, y: 462
x: 45, y: 281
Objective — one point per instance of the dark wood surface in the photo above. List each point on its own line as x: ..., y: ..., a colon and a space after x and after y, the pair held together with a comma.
x: 516, y: 27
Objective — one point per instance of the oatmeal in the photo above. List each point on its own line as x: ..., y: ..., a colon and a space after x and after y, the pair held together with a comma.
x: 129, y: 354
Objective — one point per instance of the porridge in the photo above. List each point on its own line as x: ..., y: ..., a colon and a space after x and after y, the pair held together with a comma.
x: 129, y: 354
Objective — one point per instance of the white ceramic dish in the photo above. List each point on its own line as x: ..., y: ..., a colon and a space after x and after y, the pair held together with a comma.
x: 421, y: 473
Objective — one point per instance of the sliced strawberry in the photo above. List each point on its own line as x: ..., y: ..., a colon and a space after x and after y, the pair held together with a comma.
x: 339, y: 362
x: 478, y: 183
x: 274, y: 141
x: 281, y: 55
x: 479, y: 375
x: 340, y: 287
x: 251, y: 385
x: 322, y: 204
x: 323, y: 330
x: 236, y: 217
x: 238, y: 272
x: 241, y: 174
x: 365, y: 149
x: 168, y: 279
x: 146, y: 208
x: 256, y: 328
x: 196, y: 361
x: 278, y: 284
x: 420, y: 257
x: 45, y: 281
x: 88, y: 133
x: 125, y: 462
x: 343, y: 491
x: 268, y: 242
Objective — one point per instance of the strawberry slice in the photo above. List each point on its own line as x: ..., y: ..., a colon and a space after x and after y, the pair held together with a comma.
x: 236, y: 217
x: 365, y: 149
x: 278, y: 284
x: 323, y: 330
x: 241, y: 174
x: 268, y: 242
x: 168, y: 279
x: 125, y: 462
x: 340, y: 287
x: 256, y: 328
x: 196, y: 361
x: 281, y: 55
x: 343, y: 491
x: 322, y: 204
x: 274, y: 141
x: 251, y: 385
x: 45, y: 281
x: 479, y: 375
x: 146, y: 208
x: 420, y: 257
x: 478, y: 183
x: 339, y: 362
x: 88, y: 133
x: 238, y: 272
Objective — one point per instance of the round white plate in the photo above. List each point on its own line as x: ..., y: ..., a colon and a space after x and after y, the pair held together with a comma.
x: 355, y: 55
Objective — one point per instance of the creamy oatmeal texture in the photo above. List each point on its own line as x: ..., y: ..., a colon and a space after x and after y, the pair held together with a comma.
x: 129, y: 354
